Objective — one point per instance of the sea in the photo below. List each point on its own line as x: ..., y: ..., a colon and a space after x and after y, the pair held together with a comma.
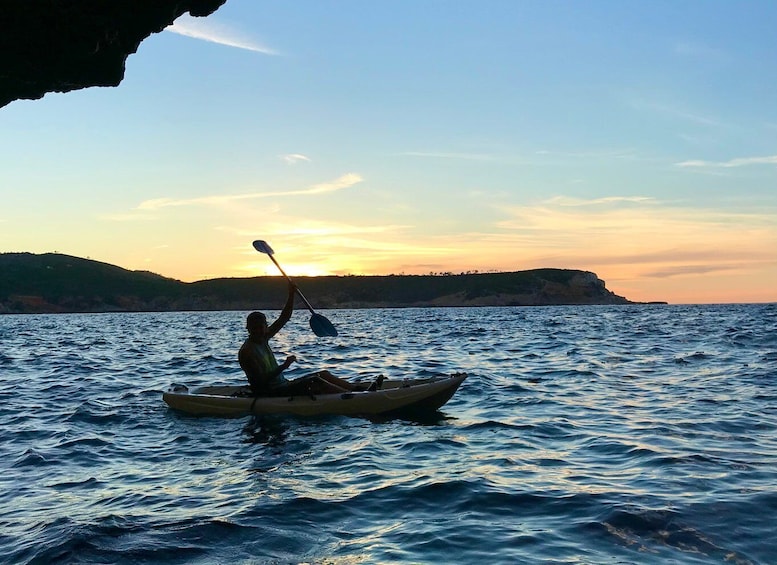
x: 584, y: 434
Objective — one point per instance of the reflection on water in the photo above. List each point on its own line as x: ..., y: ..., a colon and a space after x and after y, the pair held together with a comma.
x: 270, y: 431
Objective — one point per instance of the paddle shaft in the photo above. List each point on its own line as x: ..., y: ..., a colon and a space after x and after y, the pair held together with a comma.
x: 302, y: 296
x: 318, y: 323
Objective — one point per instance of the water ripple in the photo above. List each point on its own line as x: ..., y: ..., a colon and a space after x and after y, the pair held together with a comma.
x: 636, y: 434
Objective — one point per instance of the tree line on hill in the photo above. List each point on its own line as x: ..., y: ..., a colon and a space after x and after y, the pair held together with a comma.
x: 53, y: 282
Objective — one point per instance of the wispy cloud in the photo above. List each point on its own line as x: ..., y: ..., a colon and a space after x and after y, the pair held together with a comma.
x: 684, y: 270
x: 294, y: 158
x: 340, y: 183
x: 607, y: 200
x: 639, y: 234
x: 538, y: 157
x: 740, y: 162
x: 446, y: 155
x: 624, y: 217
x: 687, y: 255
x: 594, y: 154
x: 207, y: 29
x: 315, y: 246
x: 309, y: 227
x: 297, y: 229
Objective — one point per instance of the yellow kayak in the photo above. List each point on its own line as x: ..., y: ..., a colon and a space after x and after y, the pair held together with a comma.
x: 394, y: 396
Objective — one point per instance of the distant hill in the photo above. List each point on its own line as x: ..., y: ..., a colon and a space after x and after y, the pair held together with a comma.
x: 53, y: 282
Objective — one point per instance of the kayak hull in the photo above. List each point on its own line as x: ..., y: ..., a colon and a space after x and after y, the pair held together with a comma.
x: 394, y: 396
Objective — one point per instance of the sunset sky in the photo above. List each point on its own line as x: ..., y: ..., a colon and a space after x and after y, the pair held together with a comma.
x: 637, y: 140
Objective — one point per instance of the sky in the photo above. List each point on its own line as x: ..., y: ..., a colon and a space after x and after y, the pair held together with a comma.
x: 636, y: 140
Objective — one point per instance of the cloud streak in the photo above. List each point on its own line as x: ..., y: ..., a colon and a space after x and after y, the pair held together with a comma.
x: 740, y: 162
x: 294, y: 158
x: 607, y: 200
x: 449, y: 155
x: 637, y: 237
x: 206, y: 29
x: 340, y: 183
x: 685, y: 270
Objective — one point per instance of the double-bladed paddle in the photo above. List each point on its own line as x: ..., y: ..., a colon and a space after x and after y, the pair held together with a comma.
x: 318, y: 323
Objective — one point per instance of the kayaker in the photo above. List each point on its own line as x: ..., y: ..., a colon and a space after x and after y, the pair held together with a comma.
x: 265, y: 375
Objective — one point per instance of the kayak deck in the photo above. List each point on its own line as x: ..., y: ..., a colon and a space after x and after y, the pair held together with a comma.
x: 394, y: 396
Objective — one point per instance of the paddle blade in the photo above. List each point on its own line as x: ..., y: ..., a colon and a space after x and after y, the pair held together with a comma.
x: 263, y: 247
x: 321, y: 326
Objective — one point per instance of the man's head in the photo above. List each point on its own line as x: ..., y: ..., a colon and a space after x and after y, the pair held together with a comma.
x: 256, y: 323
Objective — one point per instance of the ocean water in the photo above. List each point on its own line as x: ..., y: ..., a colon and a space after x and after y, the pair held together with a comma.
x: 598, y: 434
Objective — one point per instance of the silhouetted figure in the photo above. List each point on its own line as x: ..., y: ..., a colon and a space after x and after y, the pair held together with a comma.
x: 264, y: 373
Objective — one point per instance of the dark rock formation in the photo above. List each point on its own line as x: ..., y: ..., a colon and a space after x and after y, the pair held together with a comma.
x: 63, y: 45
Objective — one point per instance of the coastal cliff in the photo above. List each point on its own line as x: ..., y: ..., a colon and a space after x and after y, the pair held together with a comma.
x: 52, y: 282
